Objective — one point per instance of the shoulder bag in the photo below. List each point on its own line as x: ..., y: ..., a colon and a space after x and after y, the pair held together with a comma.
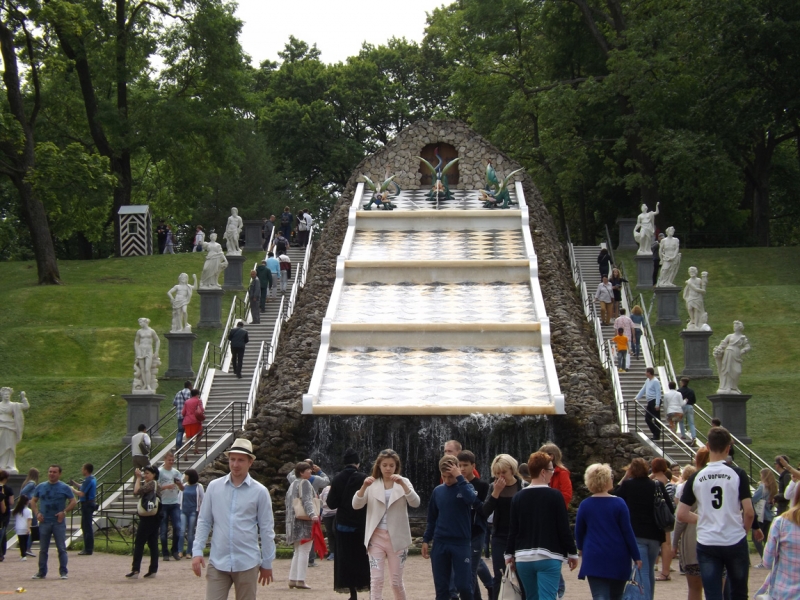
x: 510, y: 588
x: 149, y: 503
x: 299, y: 509
x: 634, y: 590
x: 662, y: 514
x: 200, y: 412
x: 144, y: 447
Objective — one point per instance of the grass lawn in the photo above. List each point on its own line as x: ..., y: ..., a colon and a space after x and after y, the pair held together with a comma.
x: 757, y: 286
x: 70, y: 348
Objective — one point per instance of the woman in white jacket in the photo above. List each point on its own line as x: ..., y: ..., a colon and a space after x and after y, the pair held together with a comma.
x: 387, y: 497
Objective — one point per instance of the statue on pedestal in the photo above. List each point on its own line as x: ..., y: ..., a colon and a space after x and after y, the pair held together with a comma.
x: 180, y: 303
x: 645, y: 229
x: 145, y: 369
x: 232, y: 231
x: 693, y: 295
x: 729, y: 359
x: 214, y: 265
x: 669, y: 253
x: 12, y: 422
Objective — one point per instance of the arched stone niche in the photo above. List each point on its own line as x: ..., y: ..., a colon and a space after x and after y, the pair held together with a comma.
x: 447, y: 153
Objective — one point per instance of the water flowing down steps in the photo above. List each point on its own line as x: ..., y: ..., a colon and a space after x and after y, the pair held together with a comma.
x: 436, y: 310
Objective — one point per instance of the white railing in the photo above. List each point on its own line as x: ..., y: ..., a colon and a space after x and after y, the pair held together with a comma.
x: 622, y: 413
x: 253, y: 393
x: 298, y: 277
x: 276, y: 334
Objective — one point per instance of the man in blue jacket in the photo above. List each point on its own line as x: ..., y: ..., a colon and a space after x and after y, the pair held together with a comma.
x: 450, y: 530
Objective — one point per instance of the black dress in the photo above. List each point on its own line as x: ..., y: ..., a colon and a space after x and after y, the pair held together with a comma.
x: 350, y: 560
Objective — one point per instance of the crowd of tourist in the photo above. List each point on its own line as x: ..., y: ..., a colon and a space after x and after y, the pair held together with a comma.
x: 700, y: 514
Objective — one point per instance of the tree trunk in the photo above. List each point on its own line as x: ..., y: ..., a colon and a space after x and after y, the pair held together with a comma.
x: 32, y: 211
x: 758, y: 173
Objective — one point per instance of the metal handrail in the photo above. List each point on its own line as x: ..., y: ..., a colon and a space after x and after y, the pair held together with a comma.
x: 299, y: 275
x: 253, y: 393
x: 234, y: 410
x: 622, y: 414
x: 276, y: 333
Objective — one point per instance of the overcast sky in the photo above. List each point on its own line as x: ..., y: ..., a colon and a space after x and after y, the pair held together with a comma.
x: 338, y: 27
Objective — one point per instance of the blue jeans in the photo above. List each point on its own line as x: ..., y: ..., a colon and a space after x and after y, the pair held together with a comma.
x: 179, y: 435
x: 540, y: 578
x: 637, y: 345
x: 87, y: 526
x: 736, y: 559
x: 188, y: 525
x: 622, y: 356
x: 170, y: 512
x: 59, y: 532
x: 688, y: 417
x: 455, y: 559
x: 606, y: 589
x: 648, y: 550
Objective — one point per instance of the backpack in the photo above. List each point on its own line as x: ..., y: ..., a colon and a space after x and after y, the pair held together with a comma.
x: 144, y: 447
x: 286, y: 218
x: 149, y: 503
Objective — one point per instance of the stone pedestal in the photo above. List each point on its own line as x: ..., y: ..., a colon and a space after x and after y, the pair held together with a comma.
x: 210, y: 307
x: 626, y: 241
x: 667, y: 301
x: 143, y: 409
x: 252, y: 236
x: 15, y: 481
x: 696, y: 362
x: 180, y: 355
x: 233, y: 274
x: 644, y: 271
x: 731, y: 409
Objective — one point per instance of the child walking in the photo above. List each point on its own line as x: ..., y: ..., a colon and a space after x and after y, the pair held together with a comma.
x: 22, y: 523
x: 622, y: 349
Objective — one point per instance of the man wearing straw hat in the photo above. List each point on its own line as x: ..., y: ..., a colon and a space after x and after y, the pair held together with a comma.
x: 234, y: 505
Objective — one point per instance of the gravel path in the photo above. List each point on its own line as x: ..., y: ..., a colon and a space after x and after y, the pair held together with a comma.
x: 101, y: 576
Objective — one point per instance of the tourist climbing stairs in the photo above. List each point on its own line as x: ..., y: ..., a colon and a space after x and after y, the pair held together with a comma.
x: 627, y: 384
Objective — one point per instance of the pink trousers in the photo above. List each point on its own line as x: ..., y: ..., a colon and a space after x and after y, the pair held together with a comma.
x: 381, y: 554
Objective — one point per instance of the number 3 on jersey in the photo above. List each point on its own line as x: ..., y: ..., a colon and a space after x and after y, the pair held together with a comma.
x: 716, y: 491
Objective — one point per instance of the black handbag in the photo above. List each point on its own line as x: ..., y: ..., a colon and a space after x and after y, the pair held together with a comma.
x: 662, y: 514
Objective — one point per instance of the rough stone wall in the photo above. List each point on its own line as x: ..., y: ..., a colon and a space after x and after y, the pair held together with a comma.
x: 588, y: 433
x: 400, y: 155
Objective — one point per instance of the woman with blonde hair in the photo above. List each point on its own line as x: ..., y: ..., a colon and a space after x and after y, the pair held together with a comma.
x: 684, y: 543
x: 605, y: 537
x: 506, y: 484
x: 387, y: 496
x: 299, y: 528
x: 780, y: 555
x: 764, y: 505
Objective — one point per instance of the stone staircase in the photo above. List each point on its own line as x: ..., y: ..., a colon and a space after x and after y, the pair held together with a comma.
x: 632, y: 381
x: 222, y: 420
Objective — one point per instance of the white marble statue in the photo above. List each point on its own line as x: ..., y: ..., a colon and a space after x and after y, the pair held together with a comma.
x: 145, y: 367
x: 729, y: 359
x: 669, y: 253
x: 180, y: 303
x: 645, y: 230
x: 214, y: 265
x: 12, y: 422
x: 232, y: 231
x: 694, y: 296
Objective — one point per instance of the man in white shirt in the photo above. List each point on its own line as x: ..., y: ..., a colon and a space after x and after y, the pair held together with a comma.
x: 140, y: 448
x: 238, y: 508
x: 673, y: 401
x: 724, y: 516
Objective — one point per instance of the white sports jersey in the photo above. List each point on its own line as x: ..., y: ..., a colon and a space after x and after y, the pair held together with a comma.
x: 718, y: 490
